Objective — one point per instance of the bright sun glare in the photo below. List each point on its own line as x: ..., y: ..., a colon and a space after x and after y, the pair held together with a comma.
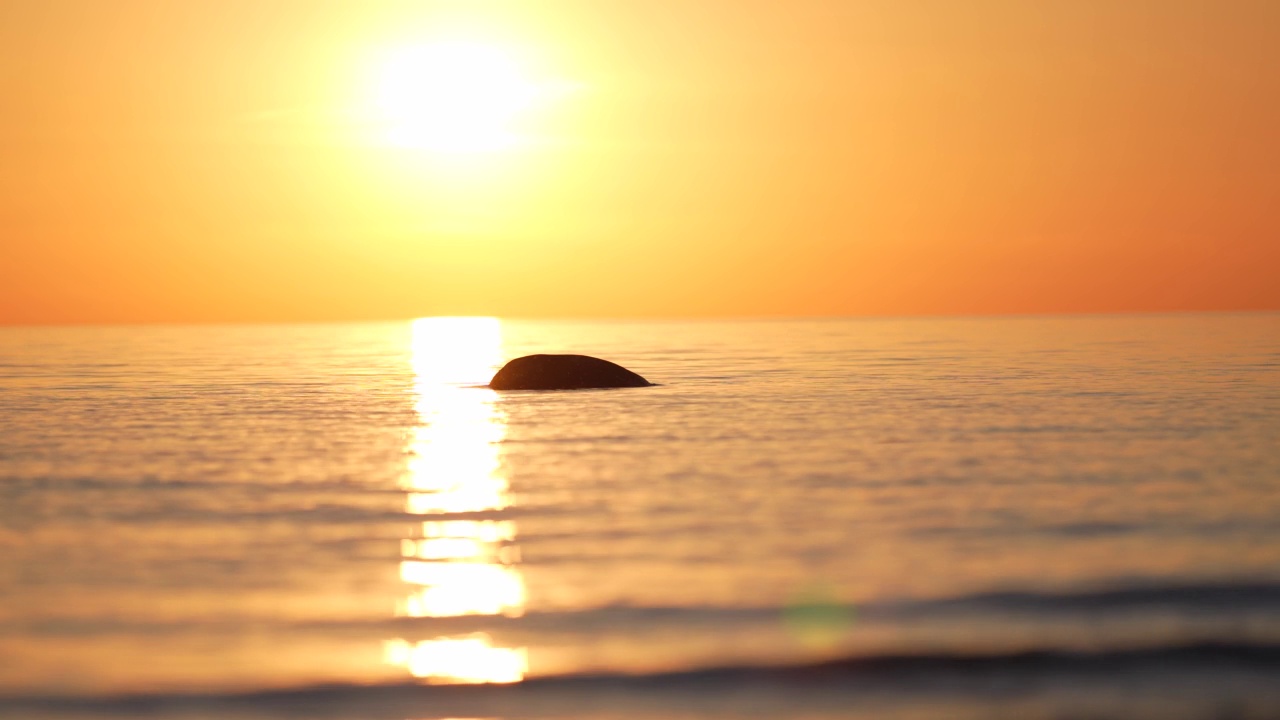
x: 455, y: 97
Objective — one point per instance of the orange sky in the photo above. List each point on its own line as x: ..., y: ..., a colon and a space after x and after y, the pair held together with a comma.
x: 212, y: 160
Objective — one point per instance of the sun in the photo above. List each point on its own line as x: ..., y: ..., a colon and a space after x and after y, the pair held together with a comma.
x: 454, y: 97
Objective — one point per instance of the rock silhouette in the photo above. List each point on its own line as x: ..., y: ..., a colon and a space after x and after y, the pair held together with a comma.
x: 563, y: 372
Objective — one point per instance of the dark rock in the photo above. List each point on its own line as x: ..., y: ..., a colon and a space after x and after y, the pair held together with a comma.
x: 563, y: 372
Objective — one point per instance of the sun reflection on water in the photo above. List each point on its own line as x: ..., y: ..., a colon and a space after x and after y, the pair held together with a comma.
x: 459, y: 660
x: 458, y: 566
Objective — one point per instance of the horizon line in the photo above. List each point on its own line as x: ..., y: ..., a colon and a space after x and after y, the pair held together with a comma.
x: 780, y: 317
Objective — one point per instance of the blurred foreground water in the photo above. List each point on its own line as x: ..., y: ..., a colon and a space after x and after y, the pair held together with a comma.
x: 1025, y: 517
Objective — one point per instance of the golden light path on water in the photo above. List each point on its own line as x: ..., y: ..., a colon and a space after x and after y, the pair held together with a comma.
x: 458, y: 566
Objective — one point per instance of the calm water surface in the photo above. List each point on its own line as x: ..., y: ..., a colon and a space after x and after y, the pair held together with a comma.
x: 1031, y: 517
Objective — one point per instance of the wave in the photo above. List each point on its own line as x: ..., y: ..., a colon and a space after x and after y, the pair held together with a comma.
x: 1256, y: 600
x: 1244, y: 667
x: 1208, y: 598
x: 1210, y: 595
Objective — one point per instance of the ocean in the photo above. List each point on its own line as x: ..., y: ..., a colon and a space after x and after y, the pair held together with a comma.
x: 1031, y: 517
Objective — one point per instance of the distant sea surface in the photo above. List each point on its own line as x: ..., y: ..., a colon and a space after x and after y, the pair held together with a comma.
x: 1049, y: 517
